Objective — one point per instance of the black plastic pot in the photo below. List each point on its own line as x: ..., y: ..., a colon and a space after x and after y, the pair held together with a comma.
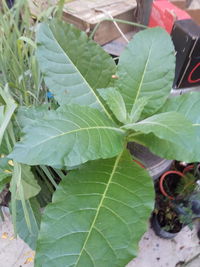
x: 159, y: 231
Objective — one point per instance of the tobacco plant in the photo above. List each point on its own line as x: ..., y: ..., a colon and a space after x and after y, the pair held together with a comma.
x: 101, y: 207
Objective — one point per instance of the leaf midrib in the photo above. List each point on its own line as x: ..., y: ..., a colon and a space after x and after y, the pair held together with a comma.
x: 143, y: 75
x: 91, y: 89
x: 100, y: 206
x: 157, y: 123
x: 79, y: 130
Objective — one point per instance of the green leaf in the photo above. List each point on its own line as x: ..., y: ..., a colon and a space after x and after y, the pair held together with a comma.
x: 1, y: 113
x: 137, y: 109
x: 146, y: 68
x: 6, y: 112
x: 170, y: 126
x: 45, y: 195
x: 5, y: 172
x: 73, y: 66
x: 29, y: 236
x: 115, y: 102
x: 28, y: 182
x: 98, y: 215
x: 187, y: 105
x: 68, y: 137
x: 26, y: 115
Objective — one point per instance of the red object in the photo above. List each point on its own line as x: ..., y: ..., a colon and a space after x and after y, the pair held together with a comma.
x: 164, y: 14
x: 188, y: 168
x: 139, y: 163
x: 195, y: 69
x: 162, y: 180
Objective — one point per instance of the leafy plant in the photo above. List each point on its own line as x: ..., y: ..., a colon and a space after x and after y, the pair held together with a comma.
x: 188, y: 200
x: 21, y: 83
x: 101, y: 207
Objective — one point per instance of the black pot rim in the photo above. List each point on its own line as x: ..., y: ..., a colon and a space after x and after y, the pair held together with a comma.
x: 159, y: 231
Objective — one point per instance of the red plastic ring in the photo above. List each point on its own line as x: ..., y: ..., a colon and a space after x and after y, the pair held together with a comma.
x: 162, y: 180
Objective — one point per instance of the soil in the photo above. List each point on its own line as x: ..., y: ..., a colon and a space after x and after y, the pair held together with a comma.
x: 165, y: 212
x: 169, y: 221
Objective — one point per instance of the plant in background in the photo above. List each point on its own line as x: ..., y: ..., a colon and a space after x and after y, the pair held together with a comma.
x: 187, y: 202
x: 101, y: 207
x: 21, y: 84
x: 177, y: 200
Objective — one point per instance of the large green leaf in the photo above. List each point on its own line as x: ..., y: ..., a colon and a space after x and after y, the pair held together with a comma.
x: 138, y: 108
x: 189, y: 106
x: 28, y: 182
x: 29, y: 236
x: 115, y: 102
x: 68, y: 137
x: 27, y: 115
x: 170, y: 126
x: 98, y: 215
x: 23, y: 186
x: 146, y: 68
x: 73, y: 66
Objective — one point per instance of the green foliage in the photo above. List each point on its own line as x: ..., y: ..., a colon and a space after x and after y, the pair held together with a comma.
x: 146, y: 70
x: 186, y: 186
x: 166, y: 126
x: 18, y: 65
x: 5, y: 172
x: 28, y: 235
x: 73, y: 66
x: 188, y: 106
x: 115, y: 102
x: 101, y: 207
x: 62, y: 132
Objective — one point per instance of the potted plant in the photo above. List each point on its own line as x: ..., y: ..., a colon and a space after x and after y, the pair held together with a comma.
x: 177, y: 201
x: 100, y: 209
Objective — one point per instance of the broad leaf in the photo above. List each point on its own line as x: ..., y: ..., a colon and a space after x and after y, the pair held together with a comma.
x: 29, y: 236
x: 115, y: 102
x: 73, y: 66
x: 28, y: 182
x: 98, y: 215
x: 188, y: 105
x: 68, y: 137
x: 22, y: 187
x: 146, y: 68
x: 170, y: 126
x: 26, y: 116
x: 137, y: 109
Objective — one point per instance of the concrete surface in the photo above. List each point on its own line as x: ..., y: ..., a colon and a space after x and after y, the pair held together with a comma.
x: 154, y: 251
x: 180, y: 251
x: 13, y: 252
